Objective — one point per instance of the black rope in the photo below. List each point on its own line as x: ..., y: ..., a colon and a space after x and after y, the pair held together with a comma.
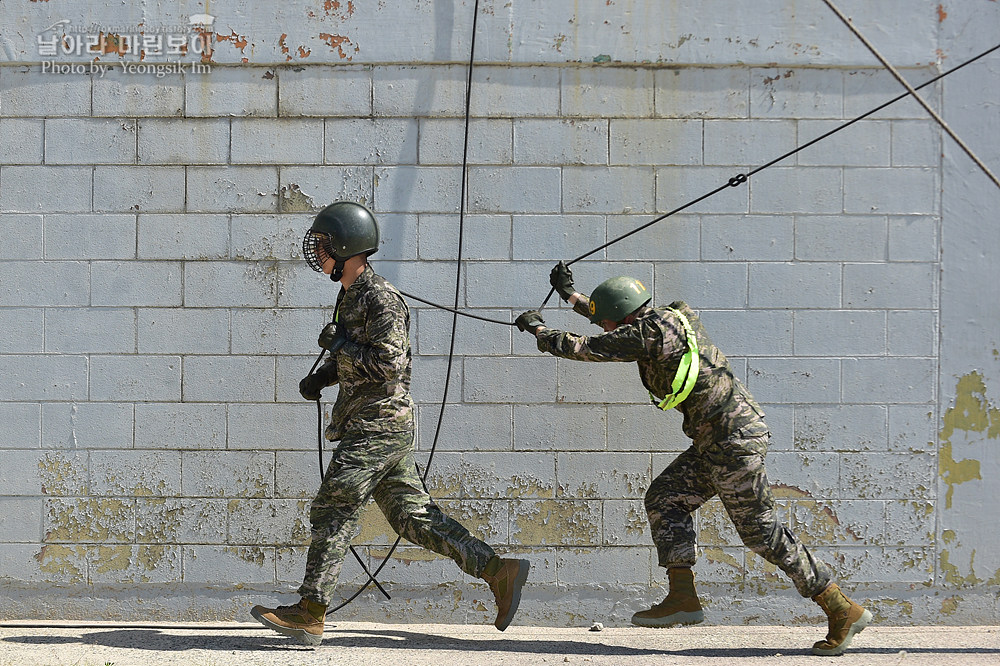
x: 454, y: 320
x: 741, y: 178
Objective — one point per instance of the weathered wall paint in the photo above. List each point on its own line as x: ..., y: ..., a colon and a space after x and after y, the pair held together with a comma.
x: 157, y: 459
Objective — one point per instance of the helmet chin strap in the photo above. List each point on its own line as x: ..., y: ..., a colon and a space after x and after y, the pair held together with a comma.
x: 338, y: 269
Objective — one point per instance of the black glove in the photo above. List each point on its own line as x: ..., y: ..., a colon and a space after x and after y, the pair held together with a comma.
x: 561, y: 278
x: 311, y: 387
x: 529, y: 321
x: 332, y: 337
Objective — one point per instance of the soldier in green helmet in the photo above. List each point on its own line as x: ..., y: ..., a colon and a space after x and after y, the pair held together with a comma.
x: 683, y: 370
x: 373, y: 421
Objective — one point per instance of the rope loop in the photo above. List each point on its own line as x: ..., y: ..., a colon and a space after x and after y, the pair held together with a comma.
x: 737, y: 180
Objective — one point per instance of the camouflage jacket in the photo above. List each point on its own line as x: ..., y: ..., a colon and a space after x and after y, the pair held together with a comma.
x: 718, y: 405
x: 374, y: 366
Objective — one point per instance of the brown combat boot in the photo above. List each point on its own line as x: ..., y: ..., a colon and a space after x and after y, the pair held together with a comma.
x: 680, y: 607
x: 303, y: 621
x: 845, y: 618
x: 506, y: 578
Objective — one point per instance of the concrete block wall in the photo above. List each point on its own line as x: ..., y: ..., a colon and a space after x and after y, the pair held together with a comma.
x: 158, y: 460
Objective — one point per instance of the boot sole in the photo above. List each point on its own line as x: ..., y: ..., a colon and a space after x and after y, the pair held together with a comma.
x: 522, y: 575
x: 856, y: 628
x: 302, y: 635
x: 672, y: 620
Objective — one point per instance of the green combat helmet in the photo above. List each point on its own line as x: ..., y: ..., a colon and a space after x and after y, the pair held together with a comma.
x: 616, y: 298
x: 340, y: 231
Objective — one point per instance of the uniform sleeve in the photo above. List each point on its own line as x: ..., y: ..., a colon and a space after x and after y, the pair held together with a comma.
x: 623, y: 344
x: 387, y: 329
x: 582, y: 305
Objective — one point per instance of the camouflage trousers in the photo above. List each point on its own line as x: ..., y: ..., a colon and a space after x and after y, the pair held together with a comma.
x: 367, y: 465
x: 734, y: 470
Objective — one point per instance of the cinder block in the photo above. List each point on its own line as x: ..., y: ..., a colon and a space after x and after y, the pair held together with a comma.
x: 183, y: 331
x: 144, y: 564
x: 561, y: 142
x: 183, y: 236
x: 163, y: 520
x: 298, y: 285
x: 791, y: 285
x: 90, y: 141
x: 909, y: 523
x: 183, y: 141
x: 431, y: 280
x: 796, y: 93
x: 24, y: 236
x: 408, y: 189
x: 644, y: 428
x: 30, y: 92
x: 90, y: 236
x: 256, y: 237
x: 487, y: 520
x: 24, y: 330
x: 864, y: 144
x: 618, y: 565
x: 746, y: 144
x: 746, y: 238
x: 890, y: 285
x: 840, y: 238
x: 625, y: 523
x: 291, y: 369
x: 580, y: 381
x: 180, y: 426
x: 473, y: 337
x: 89, y: 519
x: 309, y: 189
x: 483, y: 237
x: 657, y: 142
x: 232, y: 565
x: 235, y: 474
x: 398, y: 237
x: 913, y: 332
x: 268, y: 522
x: 121, y: 95
x: 229, y: 379
x: 136, y: 283
x: 694, y: 92
x: 21, y: 141
x: 49, y: 189
x: 276, y: 141
x: 896, y: 191
x: 34, y: 377
x: 297, y: 474
x: 605, y: 190
x: 841, y: 428
x: 230, y: 284
x: 805, y: 475
x: 442, y: 141
x: 232, y: 91
x: 559, y: 428
x: 467, y: 427
x: 20, y: 520
x: 889, y: 380
x: 135, y: 473
x: 606, y: 93
x: 780, y: 421
x: 781, y: 380
x: 490, y: 380
x: 865, y: 89
x: 272, y: 426
x: 677, y: 238
x: 135, y: 378
x: 548, y: 522
x: 916, y: 143
x: 912, y: 428
x: 514, y: 91
x: 594, y: 475
x: 889, y: 475
x: 23, y: 425
x: 87, y: 425
x: 750, y: 332
x: 280, y: 331
x: 482, y: 279
x: 139, y: 189
x: 324, y: 91
x: 513, y: 475
x: 838, y: 522
x: 231, y: 189
x: 367, y: 141
x: 34, y: 472
x: 840, y: 333
x: 90, y: 331
x: 557, y: 237
x: 409, y: 91
x: 701, y: 285
x: 678, y: 186
x: 52, y: 564
x: 799, y: 190
x: 913, y: 238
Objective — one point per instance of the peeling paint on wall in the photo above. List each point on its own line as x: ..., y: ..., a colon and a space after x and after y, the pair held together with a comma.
x: 971, y: 413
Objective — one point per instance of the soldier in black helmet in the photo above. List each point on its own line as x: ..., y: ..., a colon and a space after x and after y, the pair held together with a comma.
x: 683, y: 370
x: 373, y: 421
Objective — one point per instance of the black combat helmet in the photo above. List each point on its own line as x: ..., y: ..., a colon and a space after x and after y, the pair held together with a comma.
x: 340, y: 231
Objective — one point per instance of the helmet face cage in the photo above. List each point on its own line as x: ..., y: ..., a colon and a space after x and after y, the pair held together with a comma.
x: 316, y: 248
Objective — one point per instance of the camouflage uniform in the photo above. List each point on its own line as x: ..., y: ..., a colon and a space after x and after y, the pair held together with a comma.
x: 373, y: 419
x: 729, y: 439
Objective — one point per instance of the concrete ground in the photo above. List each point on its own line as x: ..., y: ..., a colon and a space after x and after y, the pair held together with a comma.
x: 363, y: 643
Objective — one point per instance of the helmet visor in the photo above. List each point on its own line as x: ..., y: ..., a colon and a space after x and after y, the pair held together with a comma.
x: 317, y: 248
